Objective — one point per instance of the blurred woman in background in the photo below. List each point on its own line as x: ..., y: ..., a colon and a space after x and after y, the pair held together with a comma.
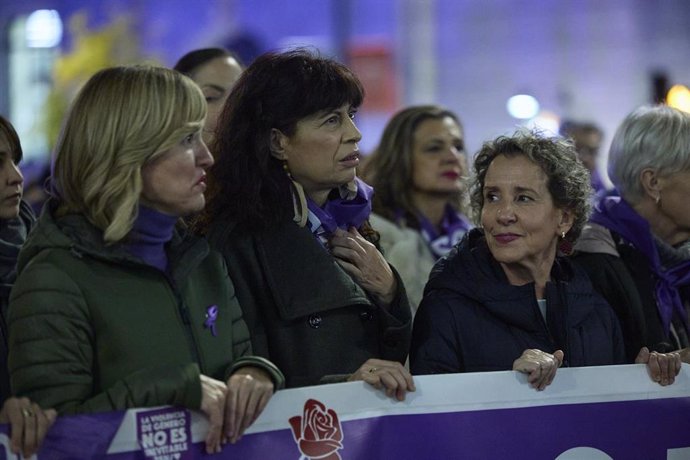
x: 417, y: 173
x: 215, y: 70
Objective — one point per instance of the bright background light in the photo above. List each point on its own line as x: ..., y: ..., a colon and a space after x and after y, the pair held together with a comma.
x: 523, y: 106
x: 679, y: 97
x: 547, y: 122
x: 43, y: 29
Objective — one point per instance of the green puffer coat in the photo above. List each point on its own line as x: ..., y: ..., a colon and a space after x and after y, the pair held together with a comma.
x: 93, y: 328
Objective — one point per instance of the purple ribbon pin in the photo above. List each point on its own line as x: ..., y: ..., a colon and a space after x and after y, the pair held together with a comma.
x: 211, y: 316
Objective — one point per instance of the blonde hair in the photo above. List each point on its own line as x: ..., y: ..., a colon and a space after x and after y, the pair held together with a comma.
x: 122, y: 118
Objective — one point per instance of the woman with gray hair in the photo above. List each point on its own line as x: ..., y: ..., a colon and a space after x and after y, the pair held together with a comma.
x: 503, y: 299
x: 633, y: 248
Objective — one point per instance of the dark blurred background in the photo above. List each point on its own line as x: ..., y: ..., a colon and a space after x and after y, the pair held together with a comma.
x: 588, y: 60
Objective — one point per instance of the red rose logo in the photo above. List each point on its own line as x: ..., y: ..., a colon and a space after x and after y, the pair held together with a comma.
x: 317, y: 432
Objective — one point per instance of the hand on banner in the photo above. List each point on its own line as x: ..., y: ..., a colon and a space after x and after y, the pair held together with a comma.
x: 540, y: 366
x: 232, y: 408
x: 249, y: 389
x: 28, y: 424
x: 390, y: 375
x: 684, y: 355
x: 662, y: 367
x: 361, y: 260
x: 212, y: 404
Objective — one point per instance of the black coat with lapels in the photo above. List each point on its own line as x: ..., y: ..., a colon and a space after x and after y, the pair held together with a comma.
x: 304, y: 312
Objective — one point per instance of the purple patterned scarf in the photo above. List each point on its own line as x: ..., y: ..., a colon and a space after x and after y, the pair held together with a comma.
x: 453, y: 227
x: 350, y: 209
x: 614, y: 213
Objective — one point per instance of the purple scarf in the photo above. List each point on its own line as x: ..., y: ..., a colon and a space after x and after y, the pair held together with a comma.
x: 453, y: 227
x: 597, y: 181
x: 350, y: 209
x: 618, y: 216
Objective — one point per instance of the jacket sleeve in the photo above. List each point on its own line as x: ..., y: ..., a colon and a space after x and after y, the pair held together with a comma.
x: 619, y: 354
x: 242, y: 347
x: 612, y: 280
x: 51, y: 358
x: 396, y: 325
x: 435, y: 346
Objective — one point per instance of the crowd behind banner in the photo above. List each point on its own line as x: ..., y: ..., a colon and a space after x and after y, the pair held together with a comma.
x: 213, y: 235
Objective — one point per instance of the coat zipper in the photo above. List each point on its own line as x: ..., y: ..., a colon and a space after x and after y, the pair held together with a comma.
x: 181, y: 307
x: 186, y: 320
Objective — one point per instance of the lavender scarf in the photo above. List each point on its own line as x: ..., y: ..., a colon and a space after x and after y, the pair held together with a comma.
x: 614, y: 213
x: 350, y: 209
x: 453, y: 227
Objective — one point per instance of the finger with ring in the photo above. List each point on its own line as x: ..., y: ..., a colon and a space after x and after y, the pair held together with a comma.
x: 373, y: 369
x: 26, y: 412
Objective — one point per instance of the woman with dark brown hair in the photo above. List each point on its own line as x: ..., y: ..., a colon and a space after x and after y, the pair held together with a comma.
x: 291, y: 218
x: 215, y: 70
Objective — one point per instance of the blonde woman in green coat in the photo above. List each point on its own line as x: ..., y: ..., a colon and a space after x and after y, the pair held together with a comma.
x: 116, y: 305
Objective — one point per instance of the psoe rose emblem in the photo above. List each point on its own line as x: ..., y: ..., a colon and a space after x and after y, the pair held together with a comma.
x: 317, y: 432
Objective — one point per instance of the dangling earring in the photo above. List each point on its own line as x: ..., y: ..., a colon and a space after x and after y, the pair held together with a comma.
x: 299, y: 200
x: 564, y: 246
x: 657, y: 200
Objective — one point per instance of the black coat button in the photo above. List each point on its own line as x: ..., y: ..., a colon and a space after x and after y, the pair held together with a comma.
x: 315, y: 321
x: 366, y: 315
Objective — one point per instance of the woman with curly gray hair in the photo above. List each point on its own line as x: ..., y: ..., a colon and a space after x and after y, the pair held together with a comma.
x: 504, y: 299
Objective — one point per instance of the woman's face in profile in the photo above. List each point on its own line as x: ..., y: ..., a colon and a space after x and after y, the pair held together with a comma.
x: 438, y: 157
x: 175, y: 181
x: 216, y: 79
x: 674, y: 196
x: 521, y: 223
x: 11, y: 181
